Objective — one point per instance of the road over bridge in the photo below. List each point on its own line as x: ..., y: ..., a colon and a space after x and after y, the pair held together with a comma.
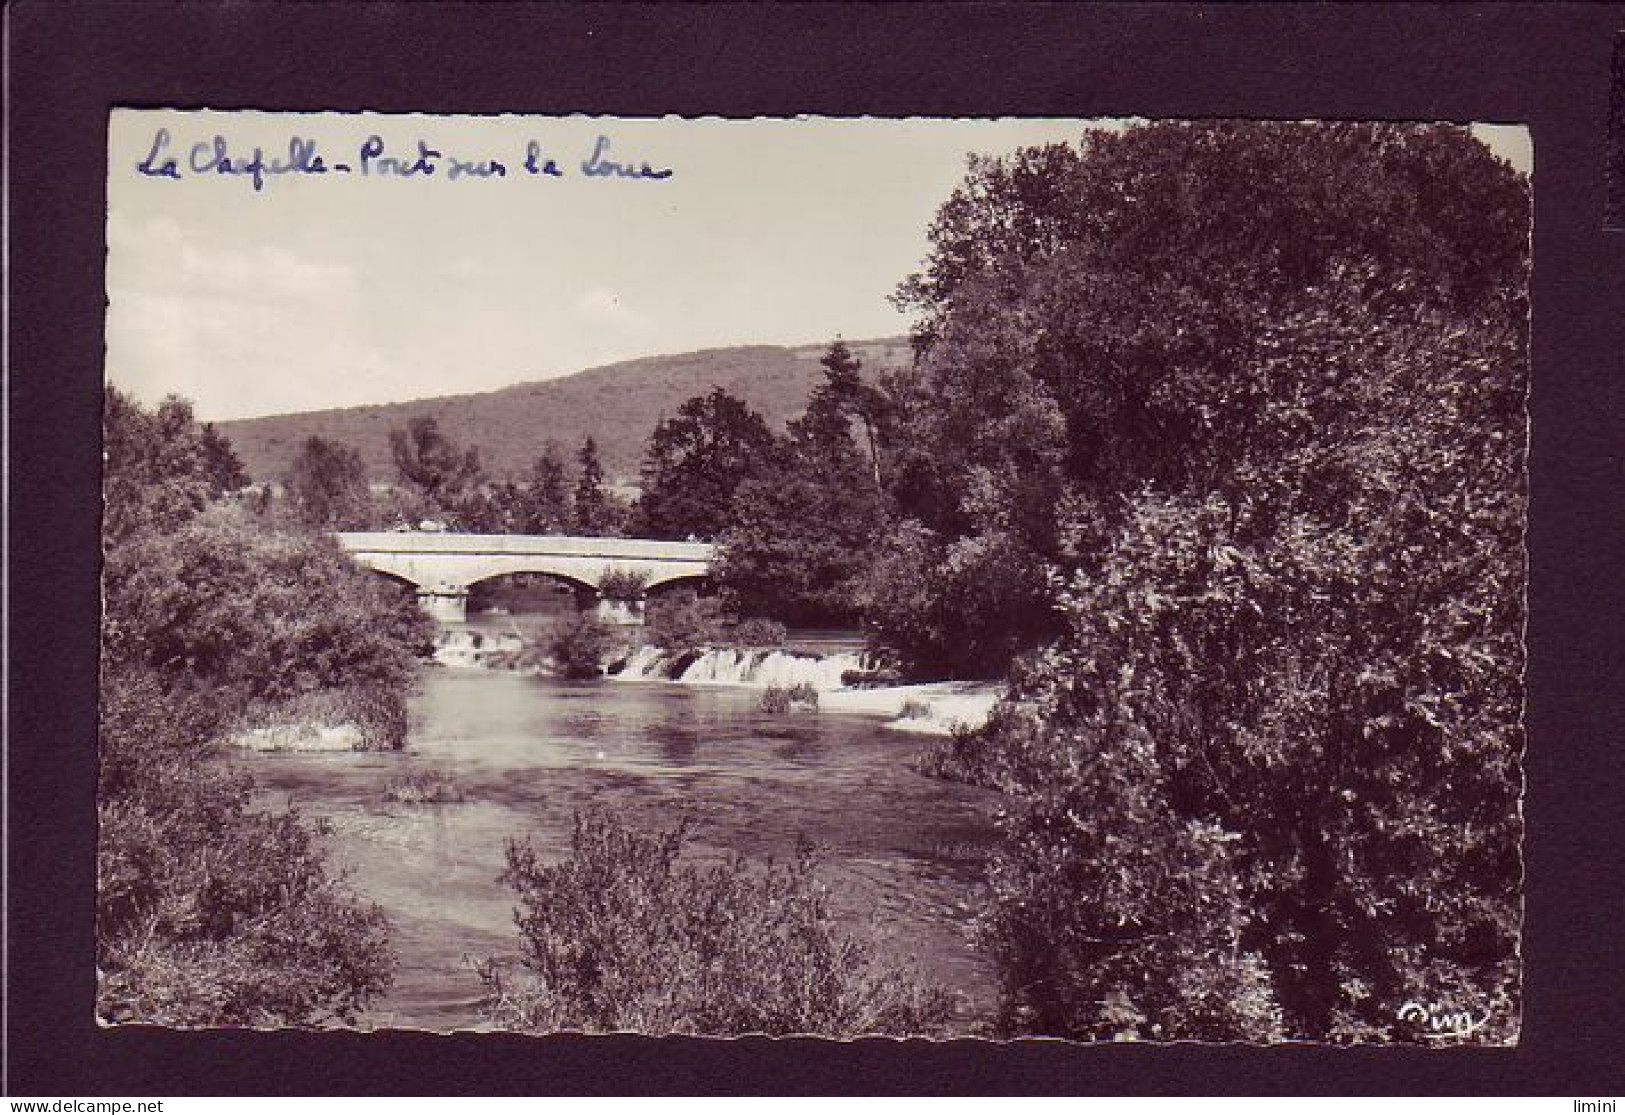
x: 442, y: 567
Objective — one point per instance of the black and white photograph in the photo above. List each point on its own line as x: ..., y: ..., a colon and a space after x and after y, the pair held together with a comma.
x: 997, y: 578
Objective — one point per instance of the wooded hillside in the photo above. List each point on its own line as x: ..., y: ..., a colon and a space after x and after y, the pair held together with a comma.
x: 618, y: 405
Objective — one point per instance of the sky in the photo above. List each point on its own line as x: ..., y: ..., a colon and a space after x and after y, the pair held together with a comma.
x: 335, y: 289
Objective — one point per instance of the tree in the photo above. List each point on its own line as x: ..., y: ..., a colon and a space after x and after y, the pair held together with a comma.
x: 594, y: 511
x: 326, y: 486
x: 433, y: 466
x: 158, y: 473
x: 845, y: 391
x: 221, y: 463
x: 270, y: 621
x: 807, y: 519
x: 544, y: 503
x: 1279, y: 374
x: 694, y: 464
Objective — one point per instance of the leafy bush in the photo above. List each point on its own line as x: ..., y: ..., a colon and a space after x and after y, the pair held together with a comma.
x: 423, y: 787
x: 683, y: 620
x: 1279, y: 728
x: 758, y: 632
x: 623, y: 584
x: 775, y: 699
x: 621, y: 937
x: 579, y: 646
x: 955, y: 607
x: 779, y: 699
x: 914, y: 709
x: 803, y: 693
x: 268, y: 619
x: 210, y: 913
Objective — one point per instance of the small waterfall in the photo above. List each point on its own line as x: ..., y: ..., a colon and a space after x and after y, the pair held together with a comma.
x: 752, y: 668
x: 469, y: 649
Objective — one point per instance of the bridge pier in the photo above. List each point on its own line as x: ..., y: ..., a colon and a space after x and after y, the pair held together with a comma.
x: 619, y: 613
x: 446, y: 603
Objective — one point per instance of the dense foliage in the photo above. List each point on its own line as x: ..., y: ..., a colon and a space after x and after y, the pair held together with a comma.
x: 160, y: 470
x: 211, y: 911
x: 278, y: 624
x: 326, y: 487
x: 695, y: 463
x: 807, y: 518
x: 594, y: 512
x: 682, y: 619
x: 580, y: 646
x: 1252, y: 396
x: 622, y: 936
x: 440, y: 472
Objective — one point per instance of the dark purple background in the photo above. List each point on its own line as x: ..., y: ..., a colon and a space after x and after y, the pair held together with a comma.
x: 1546, y: 65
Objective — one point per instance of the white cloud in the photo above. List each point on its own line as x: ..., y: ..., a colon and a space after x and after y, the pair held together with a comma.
x: 232, y: 328
x: 157, y: 254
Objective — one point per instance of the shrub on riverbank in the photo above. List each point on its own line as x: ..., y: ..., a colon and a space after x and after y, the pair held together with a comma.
x: 758, y: 632
x: 620, y: 936
x: 277, y: 623
x: 210, y: 913
x: 623, y: 584
x: 579, y: 647
x: 684, y: 620
x: 776, y: 698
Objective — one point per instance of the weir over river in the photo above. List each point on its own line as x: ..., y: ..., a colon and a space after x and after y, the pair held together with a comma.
x: 902, y: 853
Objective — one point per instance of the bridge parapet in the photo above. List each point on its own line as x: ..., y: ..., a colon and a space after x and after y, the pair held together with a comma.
x: 437, y: 542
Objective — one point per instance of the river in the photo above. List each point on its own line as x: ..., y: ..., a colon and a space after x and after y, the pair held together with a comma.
x: 903, y: 853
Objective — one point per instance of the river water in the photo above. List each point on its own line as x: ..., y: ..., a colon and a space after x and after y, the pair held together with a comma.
x: 902, y: 856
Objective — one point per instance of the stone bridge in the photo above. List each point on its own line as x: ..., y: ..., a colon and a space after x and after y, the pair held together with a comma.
x: 442, y: 567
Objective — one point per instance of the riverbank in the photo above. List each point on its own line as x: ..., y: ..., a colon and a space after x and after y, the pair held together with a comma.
x: 303, y: 735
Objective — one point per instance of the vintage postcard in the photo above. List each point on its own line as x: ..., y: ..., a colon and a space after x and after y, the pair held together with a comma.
x: 986, y: 578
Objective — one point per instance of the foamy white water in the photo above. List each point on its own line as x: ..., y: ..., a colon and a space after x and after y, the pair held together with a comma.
x: 468, y: 649
x: 755, y: 669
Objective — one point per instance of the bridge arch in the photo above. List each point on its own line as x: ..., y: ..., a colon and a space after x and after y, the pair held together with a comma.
x: 395, y: 581
x: 530, y: 591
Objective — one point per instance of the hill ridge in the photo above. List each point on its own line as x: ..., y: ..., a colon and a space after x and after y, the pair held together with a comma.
x: 617, y: 404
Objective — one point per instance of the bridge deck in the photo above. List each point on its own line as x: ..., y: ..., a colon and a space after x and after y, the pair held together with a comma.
x: 522, y: 545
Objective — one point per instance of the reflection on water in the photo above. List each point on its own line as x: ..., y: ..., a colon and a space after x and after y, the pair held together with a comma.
x: 902, y: 852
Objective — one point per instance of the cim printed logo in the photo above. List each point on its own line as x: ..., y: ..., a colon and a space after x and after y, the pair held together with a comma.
x: 1437, y: 1022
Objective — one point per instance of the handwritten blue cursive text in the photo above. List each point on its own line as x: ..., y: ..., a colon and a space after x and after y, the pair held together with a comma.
x: 216, y: 157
